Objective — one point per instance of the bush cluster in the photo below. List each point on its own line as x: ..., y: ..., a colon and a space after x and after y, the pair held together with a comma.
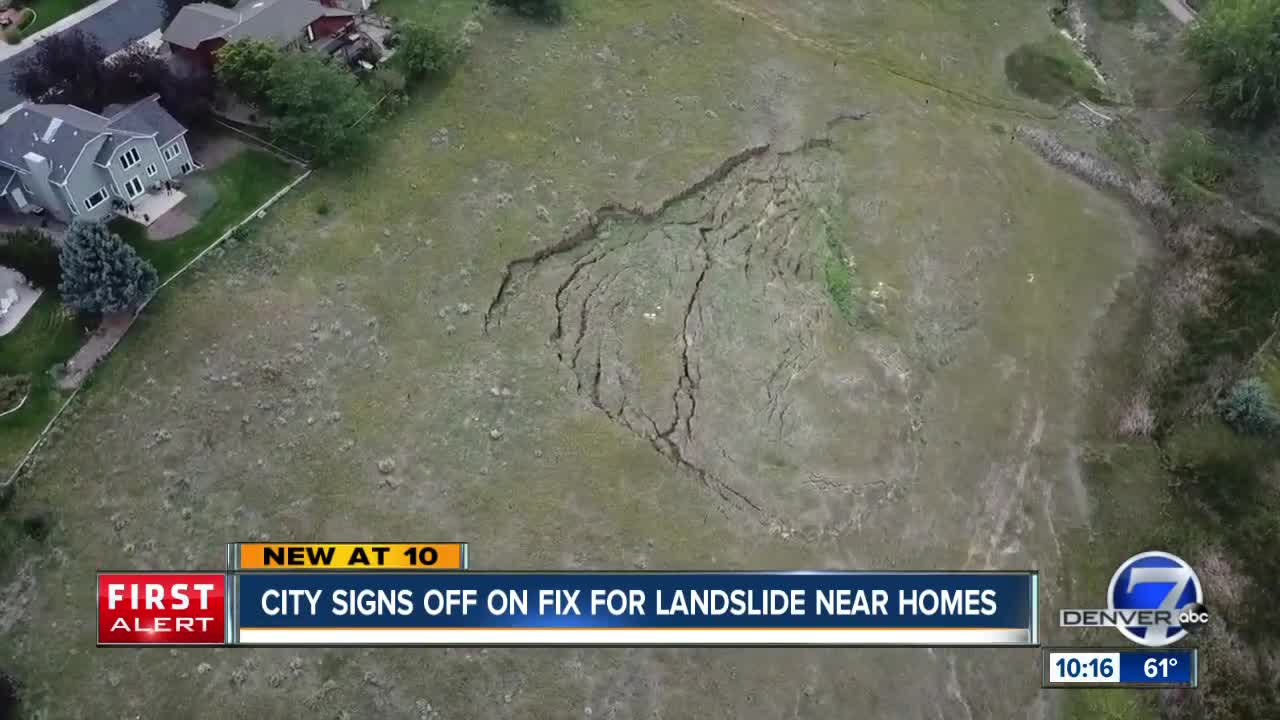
x: 1250, y: 409
x: 544, y: 10
x: 1192, y: 166
x: 31, y: 253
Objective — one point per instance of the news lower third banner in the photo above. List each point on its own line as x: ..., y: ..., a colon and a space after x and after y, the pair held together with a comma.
x: 298, y: 608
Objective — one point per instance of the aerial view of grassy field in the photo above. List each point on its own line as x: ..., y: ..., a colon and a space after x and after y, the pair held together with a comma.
x: 731, y: 284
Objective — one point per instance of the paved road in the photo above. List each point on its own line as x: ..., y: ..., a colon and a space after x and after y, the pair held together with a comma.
x: 115, y: 27
x: 1180, y: 10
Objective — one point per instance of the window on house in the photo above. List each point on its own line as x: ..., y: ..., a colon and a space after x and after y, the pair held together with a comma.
x: 173, y: 151
x: 186, y: 168
x: 95, y: 199
x: 130, y: 158
x: 151, y: 170
x: 133, y: 187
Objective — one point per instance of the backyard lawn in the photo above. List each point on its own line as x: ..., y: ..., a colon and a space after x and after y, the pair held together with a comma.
x: 49, y: 12
x: 48, y: 335
x: 45, y: 337
x: 243, y: 183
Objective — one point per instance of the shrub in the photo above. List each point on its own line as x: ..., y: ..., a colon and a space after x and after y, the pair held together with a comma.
x: 13, y: 388
x: 1250, y: 409
x: 31, y: 253
x: 424, y: 50
x: 1192, y: 166
x: 322, y: 206
x: 8, y: 696
x: 1237, y: 46
x: 544, y: 10
x: 100, y: 273
x: 387, y: 80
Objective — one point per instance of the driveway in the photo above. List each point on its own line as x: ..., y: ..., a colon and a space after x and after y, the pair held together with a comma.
x: 115, y: 26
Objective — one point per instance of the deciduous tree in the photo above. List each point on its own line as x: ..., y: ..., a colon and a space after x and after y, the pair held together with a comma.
x: 139, y: 70
x: 424, y: 50
x: 1237, y: 44
x: 316, y: 102
x: 64, y: 68
x: 244, y: 67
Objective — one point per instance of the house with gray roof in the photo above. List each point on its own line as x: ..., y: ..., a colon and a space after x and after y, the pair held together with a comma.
x: 199, y: 30
x: 71, y: 163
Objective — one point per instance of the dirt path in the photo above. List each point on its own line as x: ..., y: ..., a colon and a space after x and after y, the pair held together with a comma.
x: 1180, y: 10
x: 99, y: 344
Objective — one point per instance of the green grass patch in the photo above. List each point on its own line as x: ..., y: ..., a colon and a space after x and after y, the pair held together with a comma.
x: 1271, y: 372
x: 1123, y: 145
x: 242, y: 184
x: 49, y: 12
x: 445, y: 14
x: 1106, y: 704
x: 1053, y: 71
x: 1192, y: 167
x: 838, y: 270
x: 1117, y: 10
x: 48, y: 335
x: 1239, y: 325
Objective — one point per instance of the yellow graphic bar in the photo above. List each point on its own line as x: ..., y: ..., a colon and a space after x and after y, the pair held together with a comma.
x: 347, y: 556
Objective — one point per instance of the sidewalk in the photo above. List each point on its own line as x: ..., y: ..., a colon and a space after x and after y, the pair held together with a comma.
x: 7, y: 51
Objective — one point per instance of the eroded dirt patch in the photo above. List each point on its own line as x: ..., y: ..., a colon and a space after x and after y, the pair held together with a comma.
x: 706, y: 326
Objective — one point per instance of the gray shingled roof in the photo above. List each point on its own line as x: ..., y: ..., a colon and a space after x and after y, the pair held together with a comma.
x: 279, y: 21
x: 198, y: 22
x: 146, y: 117
x: 25, y: 129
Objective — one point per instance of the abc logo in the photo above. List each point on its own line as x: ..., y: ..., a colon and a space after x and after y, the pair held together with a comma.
x: 1193, y: 617
x: 1158, y: 581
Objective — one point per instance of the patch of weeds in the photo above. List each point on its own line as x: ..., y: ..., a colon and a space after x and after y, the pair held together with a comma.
x: 1192, y: 167
x: 1053, y: 71
x: 1244, y: 515
x: 322, y: 206
x: 1125, y: 147
x: 13, y: 388
x: 549, y: 11
x: 1238, y: 325
x: 838, y: 271
x: 1107, y: 704
x: 1117, y: 10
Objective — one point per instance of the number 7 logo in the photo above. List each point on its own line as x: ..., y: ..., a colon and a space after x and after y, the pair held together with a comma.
x: 1154, y: 568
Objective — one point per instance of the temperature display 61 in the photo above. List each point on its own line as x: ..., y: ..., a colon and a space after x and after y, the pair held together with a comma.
x: 1108, y: 667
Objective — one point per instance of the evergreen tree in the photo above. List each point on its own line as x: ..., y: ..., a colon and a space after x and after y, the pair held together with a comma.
x: 100, y: 273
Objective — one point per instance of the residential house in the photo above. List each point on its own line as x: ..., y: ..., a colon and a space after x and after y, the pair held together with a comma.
x: 200, y: 29
x: 71, y: 162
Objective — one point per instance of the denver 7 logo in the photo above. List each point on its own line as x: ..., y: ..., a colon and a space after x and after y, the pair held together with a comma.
x: 1155, y: 581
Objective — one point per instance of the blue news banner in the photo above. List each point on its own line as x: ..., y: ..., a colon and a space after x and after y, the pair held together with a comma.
x: 635, y: 608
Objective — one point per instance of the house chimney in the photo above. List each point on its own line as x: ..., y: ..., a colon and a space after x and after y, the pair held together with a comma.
x: 38, y: 165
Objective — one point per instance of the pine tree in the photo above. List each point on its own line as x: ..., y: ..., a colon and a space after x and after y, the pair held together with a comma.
x: 100, y: 273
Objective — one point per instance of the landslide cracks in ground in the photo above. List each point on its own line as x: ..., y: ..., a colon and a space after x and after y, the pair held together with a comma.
x: 705, y: 325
